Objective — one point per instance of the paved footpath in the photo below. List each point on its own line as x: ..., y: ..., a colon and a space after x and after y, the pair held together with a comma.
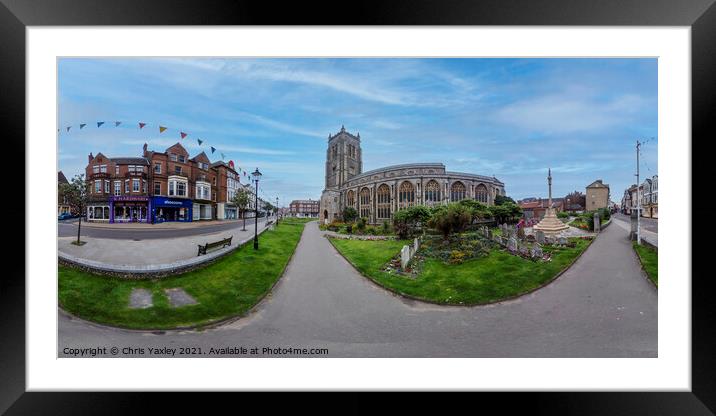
x: 650, y: 236
x: 142, y: 252
x: 602, y: 307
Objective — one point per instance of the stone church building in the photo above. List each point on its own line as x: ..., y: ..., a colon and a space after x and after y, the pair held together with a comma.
x: 377, y: 194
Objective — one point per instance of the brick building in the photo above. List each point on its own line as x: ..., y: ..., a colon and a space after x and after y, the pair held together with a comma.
x: 304, y: 208
x: 228, y: 183
x: 157, y: 187
x: 597, y: 195
x: 62, y: 206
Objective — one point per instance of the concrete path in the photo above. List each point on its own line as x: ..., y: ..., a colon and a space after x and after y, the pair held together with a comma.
x: 602, y: 307
x: 650, y: 236
x: 151, y: 252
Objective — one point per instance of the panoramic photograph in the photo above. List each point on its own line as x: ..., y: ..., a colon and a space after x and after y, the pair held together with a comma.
x: 357, y: 207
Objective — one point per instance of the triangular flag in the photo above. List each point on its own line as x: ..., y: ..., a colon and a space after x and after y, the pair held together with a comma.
x: 161, y: 129
x: 213, y: 149
x: 68, y: 128
x: 117, y: 123
x: 200, y: 141
x: 142, y: 125
x: 99, y: 123
x: 183, y: 135
x: 82, y: 125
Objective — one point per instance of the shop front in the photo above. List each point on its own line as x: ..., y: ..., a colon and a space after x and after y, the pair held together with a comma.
x: 202, y: 211
x: 226, y: 211
x: 165, y: 209
x: 129, y: 208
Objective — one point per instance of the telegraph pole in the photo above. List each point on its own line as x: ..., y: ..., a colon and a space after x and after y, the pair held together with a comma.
x: 638, y: 197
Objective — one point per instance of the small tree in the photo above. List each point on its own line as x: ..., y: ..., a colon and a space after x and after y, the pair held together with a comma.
x: 502, y: 199
x: 453, y: 218
x: 408, y: 220
x: 350, y: 214
x: 241, y: 199
x: 477, y: 209
x: 75, y: 193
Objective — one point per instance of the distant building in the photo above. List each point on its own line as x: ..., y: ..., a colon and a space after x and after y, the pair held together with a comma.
x: 304, y: 208
x: 597, y: 195
x: 650, y: 197
x: 574, y: 202
x: 537, y: 207
x: 62, y: 205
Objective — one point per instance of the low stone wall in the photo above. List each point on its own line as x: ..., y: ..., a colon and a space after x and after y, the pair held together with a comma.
x: 152, y: 271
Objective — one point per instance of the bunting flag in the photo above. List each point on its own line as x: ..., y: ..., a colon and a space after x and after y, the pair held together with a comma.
x: 162, y: 129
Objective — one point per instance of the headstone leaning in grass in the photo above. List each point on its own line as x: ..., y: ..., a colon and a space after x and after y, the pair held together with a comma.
x: 512, y: 244
x: 404, y: 257
x: 540, y: 236
x: 537, y: 251
x: 562, y: 241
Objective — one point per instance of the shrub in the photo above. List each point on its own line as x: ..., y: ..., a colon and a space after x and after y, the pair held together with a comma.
x: 408, y: 220
x: 449, y: 219
x: 386, y: 227
x: 562, y: 214
x: 361, y: 224
x: 350, y: 214
x: 349, y: 228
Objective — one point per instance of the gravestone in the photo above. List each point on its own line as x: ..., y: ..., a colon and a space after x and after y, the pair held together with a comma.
x: 140, y: 298
x: 417, y: 244
x: 521, y: 233
x: 178, y: 297
x: 562, y: 241
x: 548, y: 239
x: 597, y: 224
x: 537, y: 251
x: 530, y: 238
x: 404, y: 257
x: 512, y: 244
x: 540, y: 236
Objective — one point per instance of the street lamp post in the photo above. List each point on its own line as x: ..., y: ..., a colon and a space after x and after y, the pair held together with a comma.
x: 256, y: 174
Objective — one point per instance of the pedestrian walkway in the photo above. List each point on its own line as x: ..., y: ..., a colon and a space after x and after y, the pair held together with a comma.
x: 150, y: 255
x: 646, y: 235
x: 603, y: 306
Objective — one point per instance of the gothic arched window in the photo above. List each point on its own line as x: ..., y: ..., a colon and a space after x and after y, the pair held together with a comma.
x: 481, y: 193
x: 406, y: 195
x: 432, y: 192
x: 383, y: 201
x: 365, y: 203
x: 351, y: 199
x: 457, y: 192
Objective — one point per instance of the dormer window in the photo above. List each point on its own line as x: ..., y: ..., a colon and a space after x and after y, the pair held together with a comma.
x: 182, y: 159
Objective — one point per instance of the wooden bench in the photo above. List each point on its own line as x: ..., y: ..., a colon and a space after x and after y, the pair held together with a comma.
x: 223, y: 243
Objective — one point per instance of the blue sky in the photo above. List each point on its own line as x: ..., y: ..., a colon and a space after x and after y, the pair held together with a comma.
x: 512, y: 118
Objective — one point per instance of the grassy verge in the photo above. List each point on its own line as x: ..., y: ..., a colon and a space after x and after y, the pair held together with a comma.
x: 649, y: 259
x: 231, y: 286
x: 494, y: 277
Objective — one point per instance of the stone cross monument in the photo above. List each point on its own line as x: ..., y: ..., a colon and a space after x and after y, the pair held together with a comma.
x: 550, y: 224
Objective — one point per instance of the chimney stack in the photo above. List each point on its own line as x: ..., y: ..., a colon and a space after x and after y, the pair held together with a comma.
x: 89, y: 158
x: 144, y: 148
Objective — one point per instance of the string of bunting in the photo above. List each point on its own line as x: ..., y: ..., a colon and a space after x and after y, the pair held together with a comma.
x: 162, y: 129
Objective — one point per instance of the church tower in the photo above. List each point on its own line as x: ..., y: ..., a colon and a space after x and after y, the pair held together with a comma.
x: 344, y: 158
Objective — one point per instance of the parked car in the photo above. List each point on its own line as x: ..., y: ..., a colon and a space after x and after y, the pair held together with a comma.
x: 64, y: 216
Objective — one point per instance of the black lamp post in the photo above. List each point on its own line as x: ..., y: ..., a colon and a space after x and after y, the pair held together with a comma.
x: 256, y: 174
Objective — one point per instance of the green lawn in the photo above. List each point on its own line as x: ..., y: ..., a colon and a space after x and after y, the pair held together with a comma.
x: 497, y: 276
x: 649, y: 260
x: 231, y: 286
